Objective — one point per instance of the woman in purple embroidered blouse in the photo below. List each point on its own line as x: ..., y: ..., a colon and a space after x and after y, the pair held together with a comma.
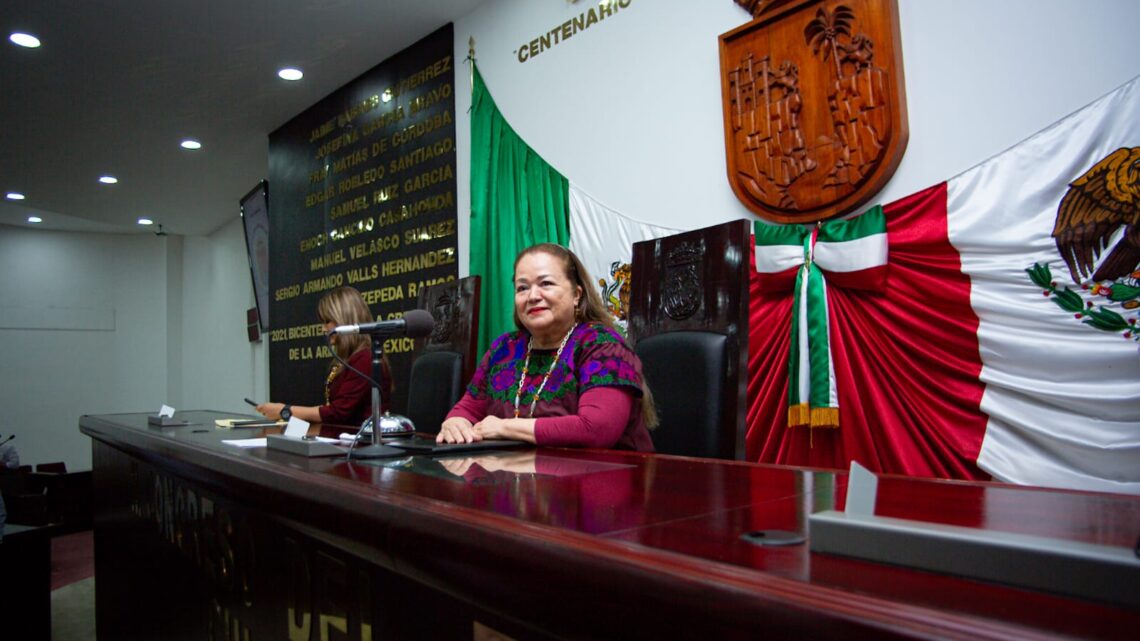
x: 566, y: 377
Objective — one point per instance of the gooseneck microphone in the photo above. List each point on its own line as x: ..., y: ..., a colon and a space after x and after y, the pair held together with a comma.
x: 415, y: 323
x: 10, y: 437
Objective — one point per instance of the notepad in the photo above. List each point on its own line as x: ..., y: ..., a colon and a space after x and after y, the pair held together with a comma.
x: 227, y: 423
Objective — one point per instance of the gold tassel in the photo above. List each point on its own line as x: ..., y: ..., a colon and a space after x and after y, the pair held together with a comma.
x: 813, y: 417
x: 826, y: 417
x: 799, y: 415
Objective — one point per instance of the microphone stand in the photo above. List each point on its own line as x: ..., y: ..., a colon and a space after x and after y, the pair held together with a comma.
x: 376, y: 449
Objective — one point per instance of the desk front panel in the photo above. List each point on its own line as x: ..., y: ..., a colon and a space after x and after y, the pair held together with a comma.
x: 202, y: 540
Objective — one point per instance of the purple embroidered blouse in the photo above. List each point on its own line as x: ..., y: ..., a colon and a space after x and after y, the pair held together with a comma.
x: 595, y: 383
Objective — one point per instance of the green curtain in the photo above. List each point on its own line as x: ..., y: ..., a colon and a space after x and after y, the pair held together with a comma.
x: 517, y: 200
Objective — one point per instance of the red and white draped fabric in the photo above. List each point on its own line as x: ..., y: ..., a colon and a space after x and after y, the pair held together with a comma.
x: 848, y: 253
x: 986, y: 354
x: 905, y: 360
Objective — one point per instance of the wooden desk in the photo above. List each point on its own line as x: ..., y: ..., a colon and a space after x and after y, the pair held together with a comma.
x: 198, y: 540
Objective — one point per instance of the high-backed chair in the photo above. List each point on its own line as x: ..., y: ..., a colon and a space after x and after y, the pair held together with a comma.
x: 434, y: 386
x: 685, y: 371
x: 688, y: 323
x: 446, y: 360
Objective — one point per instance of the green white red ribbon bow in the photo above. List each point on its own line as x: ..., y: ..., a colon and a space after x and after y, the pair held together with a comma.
x: 844, y: 253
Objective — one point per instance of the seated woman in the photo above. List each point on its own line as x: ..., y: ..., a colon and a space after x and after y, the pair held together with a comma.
x: 348, y: 395
x: 566, y: 377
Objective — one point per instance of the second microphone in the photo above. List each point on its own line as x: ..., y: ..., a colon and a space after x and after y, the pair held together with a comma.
x: 415, y: 323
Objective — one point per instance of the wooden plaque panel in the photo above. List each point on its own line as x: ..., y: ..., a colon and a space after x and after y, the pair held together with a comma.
x: 814, y: 102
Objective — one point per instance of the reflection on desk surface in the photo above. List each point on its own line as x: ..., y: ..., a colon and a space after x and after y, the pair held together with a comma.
x: 496, y: 467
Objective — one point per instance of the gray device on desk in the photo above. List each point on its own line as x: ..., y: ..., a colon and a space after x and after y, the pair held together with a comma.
x: 429, y: 446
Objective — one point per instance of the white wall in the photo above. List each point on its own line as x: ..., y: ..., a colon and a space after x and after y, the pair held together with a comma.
x: 220, y: 366
x: 83, y: 329
x: 628, y: 109
x: 105, y: 323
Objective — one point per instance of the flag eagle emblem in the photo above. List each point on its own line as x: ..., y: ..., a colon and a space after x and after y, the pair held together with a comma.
x: 1098, y: 203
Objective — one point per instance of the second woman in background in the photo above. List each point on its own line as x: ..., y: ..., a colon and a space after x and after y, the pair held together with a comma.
x: 348, y: 395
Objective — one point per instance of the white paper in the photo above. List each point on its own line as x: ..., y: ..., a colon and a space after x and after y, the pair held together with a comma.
x: 296, y: 428
x: 862, y: 490
x: 245, y: 442
x: 166, y: 411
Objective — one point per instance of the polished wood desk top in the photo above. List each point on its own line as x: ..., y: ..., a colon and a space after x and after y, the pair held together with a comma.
x: 649, y: 541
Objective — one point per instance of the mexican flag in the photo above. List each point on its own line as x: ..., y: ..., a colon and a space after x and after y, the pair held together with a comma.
x: 1003, y: 342
x: 603, y: 239
x: 518, y: 200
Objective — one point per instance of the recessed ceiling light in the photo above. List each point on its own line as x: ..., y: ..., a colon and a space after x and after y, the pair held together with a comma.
x: 289, y: 73
x: 146, y: 221
x: 35, y: 219
x: 190, y: 143
x: 108, y: 180
x: 25, y: 40
x: 15, y: 195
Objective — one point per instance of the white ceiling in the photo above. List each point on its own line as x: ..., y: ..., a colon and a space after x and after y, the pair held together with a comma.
x: 116, y: 86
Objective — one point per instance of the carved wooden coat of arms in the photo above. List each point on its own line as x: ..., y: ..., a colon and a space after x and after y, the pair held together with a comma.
x: 682, y: 287
x: 814, y: 106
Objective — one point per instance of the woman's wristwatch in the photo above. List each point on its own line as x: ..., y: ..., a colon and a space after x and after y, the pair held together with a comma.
x: 286, y: 412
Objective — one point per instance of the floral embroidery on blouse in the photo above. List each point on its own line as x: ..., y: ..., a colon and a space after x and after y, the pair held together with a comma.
x: 595, y: 356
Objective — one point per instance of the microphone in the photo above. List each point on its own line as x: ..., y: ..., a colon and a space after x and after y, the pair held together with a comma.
x: 415, y: 323
x: 10, y: 437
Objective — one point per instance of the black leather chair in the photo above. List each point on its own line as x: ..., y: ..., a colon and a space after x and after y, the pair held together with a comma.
x: 434, y: 386
x: 446, y: 360
x: 680, y: 367
x: 688, y: 322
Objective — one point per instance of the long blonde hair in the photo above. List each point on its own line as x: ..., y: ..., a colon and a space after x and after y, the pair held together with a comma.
x: 590, y: 308
x: 345, y: 306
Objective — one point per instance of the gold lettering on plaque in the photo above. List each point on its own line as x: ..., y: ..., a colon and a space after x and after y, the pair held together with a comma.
x: 323, y: 283
x: 421, y: 154
x: 419, y: 103
x: 396, y: 266
x: 428, y: 178
x: 412, y: 132
x: 384, y: 294
x: 420, y: 207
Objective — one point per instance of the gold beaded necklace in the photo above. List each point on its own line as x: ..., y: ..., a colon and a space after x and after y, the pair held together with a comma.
x: 333, y: 371
x: 526, y: 365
